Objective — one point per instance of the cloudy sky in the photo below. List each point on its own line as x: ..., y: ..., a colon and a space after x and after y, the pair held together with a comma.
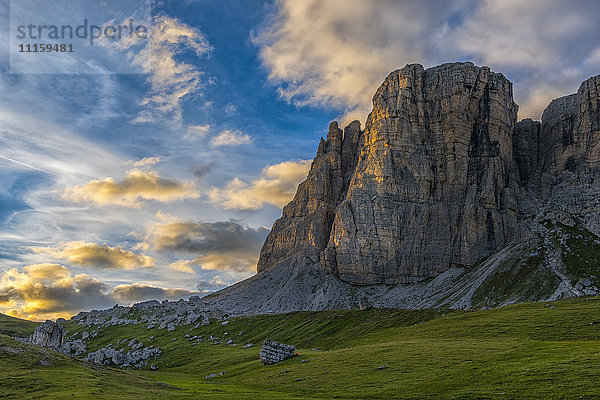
x: 154, y: 167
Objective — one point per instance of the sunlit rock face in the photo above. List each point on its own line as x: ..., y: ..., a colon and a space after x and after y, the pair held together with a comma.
x: 435, y: 184
x: 441, y: 176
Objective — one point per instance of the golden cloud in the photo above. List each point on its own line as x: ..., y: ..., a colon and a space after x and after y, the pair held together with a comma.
x: 49, y: 291
x: 135, y: 187
x: 182, y: 266
x: 97, y: 255
x: 277, y: 186
x: 241, y: 261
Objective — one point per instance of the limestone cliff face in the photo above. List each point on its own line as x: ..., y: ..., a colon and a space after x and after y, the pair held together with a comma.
x: 435, y: 183
x: 567, y: 139
x: 559, y: 158
x: 305, y: 224
x: 441, y: 176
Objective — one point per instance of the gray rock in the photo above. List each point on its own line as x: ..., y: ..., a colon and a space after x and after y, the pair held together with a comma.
x: 73, y: 348
x: 428, y: 185
x: 273, y: 352
x: 48, y: 334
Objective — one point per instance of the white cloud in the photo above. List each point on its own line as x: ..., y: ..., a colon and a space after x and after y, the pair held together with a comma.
x: 276, y: 185
x: 171, y: 80
x: 336, y: 53
x: 231, y: 138
x: 231, y: 109
x: 196, y: 131
x: 215, y: 283
x: 146, y: 161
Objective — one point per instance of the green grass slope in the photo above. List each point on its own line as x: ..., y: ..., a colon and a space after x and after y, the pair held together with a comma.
x: 529, y: 351
x: 31, y: 372
x: 16, y: 327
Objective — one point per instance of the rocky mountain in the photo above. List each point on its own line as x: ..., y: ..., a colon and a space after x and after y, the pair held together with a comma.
x: 431, y: 182
x: 442, y: 199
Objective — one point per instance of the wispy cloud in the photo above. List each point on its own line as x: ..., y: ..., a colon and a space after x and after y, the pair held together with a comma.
x: 276, y: 185
x: 171, y: 80
x: 97, y: 255
x: 196, y: 131
x: 231, y: 138
x: 132, y: 190
x: 146, y: 161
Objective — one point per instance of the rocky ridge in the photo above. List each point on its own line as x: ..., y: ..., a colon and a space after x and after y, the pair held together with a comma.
x: 442, y: 200
x: 444, y: 196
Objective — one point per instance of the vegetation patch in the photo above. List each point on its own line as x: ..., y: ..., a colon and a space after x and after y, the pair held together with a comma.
x: 523, y: 276
x: 530, y: 351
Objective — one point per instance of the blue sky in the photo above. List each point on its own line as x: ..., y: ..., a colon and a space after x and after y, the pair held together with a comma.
x: 119, y: 187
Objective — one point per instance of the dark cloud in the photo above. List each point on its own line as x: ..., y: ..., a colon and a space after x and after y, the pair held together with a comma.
x: 224, y: 245
x: 201, y: 170
x: 203, y: 237
x: 140, y: 292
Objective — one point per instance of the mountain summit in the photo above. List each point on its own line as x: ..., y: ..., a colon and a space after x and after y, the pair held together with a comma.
x: 445, y: 196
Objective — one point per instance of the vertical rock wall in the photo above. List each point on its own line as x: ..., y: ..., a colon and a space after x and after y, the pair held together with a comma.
x: 441, y: 176
x: 436, y: 181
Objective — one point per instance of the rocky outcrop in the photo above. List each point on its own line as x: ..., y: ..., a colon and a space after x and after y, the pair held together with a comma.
x: 273, y: 352
x: 126, y: 359
x: 431, y: 183
x: 436, y: 184
x: 560, y: 158
x: 48, y: 334
x: 73, y: 347
x: 305, y: 224
x: 568, y: 138
x: 526, y: 149
x: 571, y: 126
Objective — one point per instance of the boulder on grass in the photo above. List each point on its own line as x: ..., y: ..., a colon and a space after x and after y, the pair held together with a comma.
x: 48, y: 334
x: 273, y: 352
